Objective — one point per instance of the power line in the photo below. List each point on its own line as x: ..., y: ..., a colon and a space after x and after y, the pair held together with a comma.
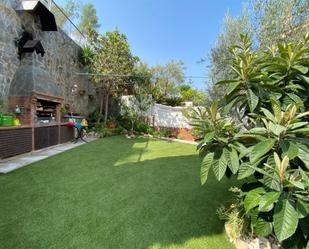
x: 131, y: 75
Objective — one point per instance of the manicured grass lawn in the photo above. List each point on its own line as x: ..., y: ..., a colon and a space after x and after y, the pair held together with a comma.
x: 113, y: 193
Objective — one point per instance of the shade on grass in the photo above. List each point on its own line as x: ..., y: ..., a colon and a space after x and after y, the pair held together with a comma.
x: 113, y: 193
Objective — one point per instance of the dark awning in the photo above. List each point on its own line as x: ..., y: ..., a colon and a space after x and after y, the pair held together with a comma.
x: 47, y: 18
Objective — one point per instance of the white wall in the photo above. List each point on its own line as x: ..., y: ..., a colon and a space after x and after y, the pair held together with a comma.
x: 168, y: 116
x: 163, y: 116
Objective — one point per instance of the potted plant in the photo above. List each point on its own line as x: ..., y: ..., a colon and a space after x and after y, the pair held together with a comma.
x: 111, y: 123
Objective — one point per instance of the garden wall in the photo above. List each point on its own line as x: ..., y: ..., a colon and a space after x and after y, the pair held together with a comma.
x: 168, y: 116
x: 60, y: 59
x: 172, y: 118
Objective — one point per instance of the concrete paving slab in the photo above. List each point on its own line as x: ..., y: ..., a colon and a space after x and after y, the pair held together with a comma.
x: 17, y: 162
x: 9, y: 167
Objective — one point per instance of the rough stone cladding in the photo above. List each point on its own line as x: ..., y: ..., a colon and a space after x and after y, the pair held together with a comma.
x: 60, y: 59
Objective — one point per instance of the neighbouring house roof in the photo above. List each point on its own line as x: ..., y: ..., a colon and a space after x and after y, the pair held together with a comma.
x: 47, y: 18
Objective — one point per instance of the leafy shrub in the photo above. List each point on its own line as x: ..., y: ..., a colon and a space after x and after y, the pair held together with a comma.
x: 151, y: 130
x: 163, y: 132
x: 95, y: 117
x: 117, y: 131
x: 235, y: 215
x: 170, y: 101
x: 270, y: 149
x: 124, y: 122
x: 105, y: 132
x: 156, y: 134
x: 142, y: 127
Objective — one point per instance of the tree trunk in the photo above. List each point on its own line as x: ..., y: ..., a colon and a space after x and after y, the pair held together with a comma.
x: 106, y: 108
x: 132, y: 127
x: 102, y: 102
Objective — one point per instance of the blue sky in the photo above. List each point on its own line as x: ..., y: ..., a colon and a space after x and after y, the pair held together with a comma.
x: 162, y: 30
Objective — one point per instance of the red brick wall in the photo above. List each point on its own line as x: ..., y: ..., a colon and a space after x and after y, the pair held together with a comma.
x: 25, y: 104
x: 180, y: 133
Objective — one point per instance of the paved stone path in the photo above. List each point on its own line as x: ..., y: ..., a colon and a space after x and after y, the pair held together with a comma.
x: 13, y: 163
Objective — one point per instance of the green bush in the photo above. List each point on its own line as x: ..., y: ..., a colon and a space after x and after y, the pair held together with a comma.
x: 235, y: 215
x: 162, y: 132
x: 103, y: 131
x: 95, y: 117
x: 142, y: 127
x: 124, y: 122
x: 165, y: 132
x: 170, y: 101
x: 117, y: 131
x: 268, y: 145
x: 151, y: 130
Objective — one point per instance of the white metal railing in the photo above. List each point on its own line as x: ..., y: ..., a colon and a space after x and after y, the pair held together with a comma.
x: 68, y: 26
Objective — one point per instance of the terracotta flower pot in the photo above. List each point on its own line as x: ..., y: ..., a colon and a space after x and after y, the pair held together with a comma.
x: 111, y: 125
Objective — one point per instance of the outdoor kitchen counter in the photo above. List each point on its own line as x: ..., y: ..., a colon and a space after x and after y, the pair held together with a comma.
x: 14, y: 127
x: 28, y: 126
x: 49, y: 125
x: 15, y: 140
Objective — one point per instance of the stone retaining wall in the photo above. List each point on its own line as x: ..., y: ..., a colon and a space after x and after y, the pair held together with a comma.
x: 60, y: 59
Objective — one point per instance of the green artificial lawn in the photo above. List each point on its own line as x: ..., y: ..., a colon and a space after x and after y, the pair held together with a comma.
x: 113, y: 193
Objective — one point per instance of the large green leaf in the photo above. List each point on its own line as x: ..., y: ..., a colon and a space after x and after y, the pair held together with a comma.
x: 219, y: 165
x: 285, y: 219
x: 301, y: 68
x: 209, y: 136
x: 277, y: 129
x: 252, y: 198
x: 301, y: 131
x: 261, y: 149
x: 231, y: 103
x: 226, y: 82
x: 295, y: 98
x: 258, y: 131
x: 302, y: 208
x: 214, y: 109
x: 276, y: 109
x: 269, y: 115
x: 271, y: 180
x: 297, y: 125
x: 267, y: 201
x: 253, y: 100
x: 304, y: 78
x: 289, y: 149
x: 262, y: 228
x: 303, y: 154
x: 245, y: 170
x: 232, y: 87
x: 234, y: 161
x: 206, y: 163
